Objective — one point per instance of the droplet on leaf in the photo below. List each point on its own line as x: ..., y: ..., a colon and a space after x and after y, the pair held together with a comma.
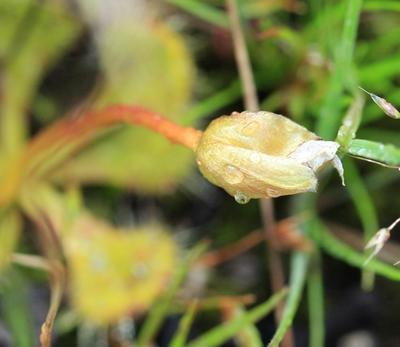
x: 233, y: 175
x: 241, y: 198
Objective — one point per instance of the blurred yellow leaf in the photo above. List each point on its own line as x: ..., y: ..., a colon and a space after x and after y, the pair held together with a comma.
x: 32, y: 36
x: 146, y: 64
x: 117, y: 272
x: 10, y: 228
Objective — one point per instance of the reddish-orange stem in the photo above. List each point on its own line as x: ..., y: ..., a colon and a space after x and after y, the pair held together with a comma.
x: 93, y: 121
x: 233, y: 250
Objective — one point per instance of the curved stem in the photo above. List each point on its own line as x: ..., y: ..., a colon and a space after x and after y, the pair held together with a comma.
x: 71, y: 134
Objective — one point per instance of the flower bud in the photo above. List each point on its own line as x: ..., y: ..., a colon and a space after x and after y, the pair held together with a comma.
x: 262, y: 154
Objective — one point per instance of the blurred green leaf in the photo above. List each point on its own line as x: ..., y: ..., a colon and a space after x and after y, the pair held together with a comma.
x: 351, y: 122
x: 221, y: 333
x: 336, y: 248
x: 381, y: 5
x: 248, y: 336
x: 365, y: 207
x: 315, y: 300
x: 298, y: 271
x: 383, y: 154
x: 342, y: 74
x: 179, y: 339
x: 203, y: 11
x: 161, y: 308
x: 16, y: 309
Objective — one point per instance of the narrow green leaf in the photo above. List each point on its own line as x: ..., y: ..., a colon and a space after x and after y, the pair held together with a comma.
x: 248, y: 336
x: 379, y: 153
x: 330, y: 111
x: 298, y: 270
x: 351, y: 122
x: 315, y: 298
x: 180, y: 337
x: 382, y: 5
x: 203, y: 11
x: 336, y: 248
x: 221, y: 333
x: 379, y: 71
x: 214, y: 103
x: 365, y: 207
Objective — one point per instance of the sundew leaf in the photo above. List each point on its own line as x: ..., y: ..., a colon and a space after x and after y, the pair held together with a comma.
x: 147, y: 65
x: 132, y: 267
x: 384, y: 105
x: 32, y: 37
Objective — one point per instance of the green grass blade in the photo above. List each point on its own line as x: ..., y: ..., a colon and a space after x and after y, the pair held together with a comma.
x: 382, y: 5
x: 298, y: 270
x: 351, y: 122
x: 161, y: 308
x: 365, y: 207
x: 249, y: 335
x: 379, y: 71
x: 223, y: 332
x: 180, y: 337
x: 203, y: 11
x: 214, y: 103
x: 383, y: 154
x: 340, y: 250
x: 330, y: 111
x: 315, y: 298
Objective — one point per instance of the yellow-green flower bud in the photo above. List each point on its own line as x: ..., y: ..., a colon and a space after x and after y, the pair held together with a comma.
x: 262, y: 154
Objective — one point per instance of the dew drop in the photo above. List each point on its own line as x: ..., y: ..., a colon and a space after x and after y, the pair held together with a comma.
x: 272, y: 193
x: 250, y: 129
x: 241, y: 198
x: 233, y: 175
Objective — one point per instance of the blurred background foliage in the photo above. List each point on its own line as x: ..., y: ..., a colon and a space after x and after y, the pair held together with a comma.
x: 127, y: 213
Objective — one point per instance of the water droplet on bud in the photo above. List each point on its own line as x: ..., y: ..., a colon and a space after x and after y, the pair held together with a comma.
x: 233, y: 175
x: 241, y: 198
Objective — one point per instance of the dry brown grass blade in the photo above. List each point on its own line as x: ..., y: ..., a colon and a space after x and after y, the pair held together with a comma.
x: 266, y: 205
